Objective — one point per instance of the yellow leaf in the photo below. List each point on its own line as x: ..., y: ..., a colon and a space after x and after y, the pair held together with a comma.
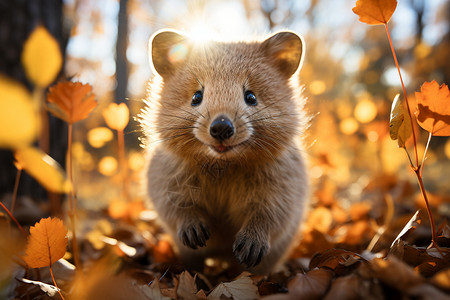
x: 71, y: 101
x: 41, y: 57
x: 47, y: 243
x: 375, y: 12
x: 433, y: 108
x: 19, y: 122
x: 44, y: 169
x: 400, y: 122
x: 116, y: 116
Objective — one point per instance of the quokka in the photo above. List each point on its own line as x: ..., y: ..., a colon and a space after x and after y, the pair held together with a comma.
x: 226, y: 170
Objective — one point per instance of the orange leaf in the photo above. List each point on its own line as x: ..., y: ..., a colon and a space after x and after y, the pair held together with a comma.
x: 433, y: 108
x: 375, y: 12
x: 47, y: 243
x: 71, y: 101
x: 116, y: 116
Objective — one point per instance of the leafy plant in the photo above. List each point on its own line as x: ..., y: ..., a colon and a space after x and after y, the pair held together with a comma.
x: 71, y: 102
x: 47, y: 243
x: 433, y: 109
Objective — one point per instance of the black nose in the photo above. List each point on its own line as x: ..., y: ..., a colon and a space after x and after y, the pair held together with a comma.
x: 221, y: 128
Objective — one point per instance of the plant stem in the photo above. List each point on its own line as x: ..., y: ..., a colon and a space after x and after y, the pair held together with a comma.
x: 123, y: 162
x: 72, y: 205
x: 16, y: 188
x: 14, y: 219
x: 430, y: 215
x: 425, y: 153
x: 404, y: 92
x: 54, y: 282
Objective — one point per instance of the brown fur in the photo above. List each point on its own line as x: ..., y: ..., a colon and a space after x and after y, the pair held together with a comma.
x: 246, y: 203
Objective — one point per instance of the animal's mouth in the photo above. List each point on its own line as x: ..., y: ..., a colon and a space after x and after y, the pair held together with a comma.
x: 221, y: 148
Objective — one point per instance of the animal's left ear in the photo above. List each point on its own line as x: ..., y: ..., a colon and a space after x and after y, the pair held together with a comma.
x: 286, y: 50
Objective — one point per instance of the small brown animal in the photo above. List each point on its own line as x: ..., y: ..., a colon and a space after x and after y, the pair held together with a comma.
x: 226, y: 172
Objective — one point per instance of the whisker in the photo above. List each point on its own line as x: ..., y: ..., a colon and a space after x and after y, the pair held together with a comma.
x: 186, y: 111
x: 270, y: 117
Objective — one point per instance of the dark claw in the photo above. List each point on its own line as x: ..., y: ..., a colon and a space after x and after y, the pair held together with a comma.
x: 194, y: 235
x: 248, y: 251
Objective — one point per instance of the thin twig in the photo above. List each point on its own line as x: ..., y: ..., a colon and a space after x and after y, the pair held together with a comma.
x: 123, y: 163
x: 72, y: 199
x: 14, y: 219
x: 16, y: 188
x: 404, y: 92
x: 54, y: 282
x: 425, y: 153
x: 427, y: 204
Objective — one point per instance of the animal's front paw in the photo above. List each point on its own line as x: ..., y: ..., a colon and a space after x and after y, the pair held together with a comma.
x: 194, y: 235
x: 249, y: 250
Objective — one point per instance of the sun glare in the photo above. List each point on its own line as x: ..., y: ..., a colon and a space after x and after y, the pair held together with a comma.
x: 200, y: 33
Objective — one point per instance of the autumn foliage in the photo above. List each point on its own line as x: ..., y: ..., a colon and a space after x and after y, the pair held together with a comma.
x: 366, y: 240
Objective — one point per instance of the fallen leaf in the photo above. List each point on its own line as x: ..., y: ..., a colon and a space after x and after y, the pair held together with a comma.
x: 44, y: 169
x: 375, y: 12
x: 333, y: 258
x: 49, y: 289
x: 154, y: 291
x: 19, y: 120
x: 41, y: 57
x: 395, y: 273
x: 312, y: 285
x: 116, y: 116
x: 71, y: 101
x: 187, y: 289
x: 46, y: 244
x: 409, y: 227
x: 400, y: 123
x: 433, y: 108
x: 345, y: 287
x: 242, y: 288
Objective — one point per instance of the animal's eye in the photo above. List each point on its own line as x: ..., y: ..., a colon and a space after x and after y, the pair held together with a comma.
x: 250, y: 98
x: 197, y: 98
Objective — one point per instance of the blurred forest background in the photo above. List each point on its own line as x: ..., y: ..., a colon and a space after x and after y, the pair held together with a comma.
x: 349, y: 75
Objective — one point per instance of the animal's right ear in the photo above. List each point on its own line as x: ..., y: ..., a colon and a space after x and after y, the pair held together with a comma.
x: 168, y: 49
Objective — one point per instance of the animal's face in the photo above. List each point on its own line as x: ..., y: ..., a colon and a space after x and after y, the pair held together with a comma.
x: 230, y: 101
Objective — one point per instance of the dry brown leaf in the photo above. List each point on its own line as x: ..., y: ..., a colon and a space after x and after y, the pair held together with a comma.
x: 154, y: 291
x: 433, y: 108
x: 242, y: 288
x: 71, y: 101
x: 312, y: 285
x: 46, y: 244
x: 333, y: 258
x: 395, y: 273
x: 375, y: 12
x: 409, y: 227
x: 344, y: 288
x: 187, y: 289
